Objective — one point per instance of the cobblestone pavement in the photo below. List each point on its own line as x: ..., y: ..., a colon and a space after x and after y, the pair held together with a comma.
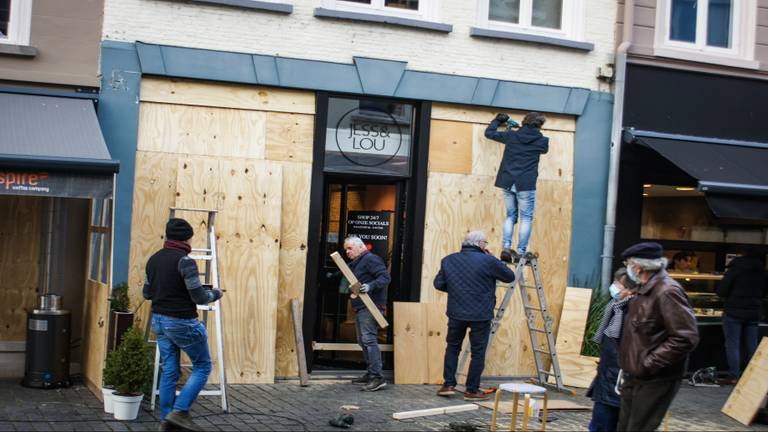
x: 286, y: 406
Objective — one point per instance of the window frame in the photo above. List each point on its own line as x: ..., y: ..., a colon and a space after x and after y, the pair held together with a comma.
x: 19, y: 23
x: 571, y: 25
x: 428, y: 9
x: 743, y: 30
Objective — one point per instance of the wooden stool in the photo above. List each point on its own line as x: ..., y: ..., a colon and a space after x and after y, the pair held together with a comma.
x: 517, y: 389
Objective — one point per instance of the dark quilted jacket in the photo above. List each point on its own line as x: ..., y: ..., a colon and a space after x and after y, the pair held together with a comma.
x: 370, y: 269
x: 469, y: 277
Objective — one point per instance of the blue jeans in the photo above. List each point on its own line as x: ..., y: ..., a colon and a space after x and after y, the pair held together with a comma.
x: 478, y: 341
x: 173, y: 336
x: 735, y: 330
x: 605, y: 418
x: 368, y: 339
x: 524, y: 202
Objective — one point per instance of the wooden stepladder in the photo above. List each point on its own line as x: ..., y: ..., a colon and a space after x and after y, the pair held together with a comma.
x: 210, y: 276
x: 534, y: 314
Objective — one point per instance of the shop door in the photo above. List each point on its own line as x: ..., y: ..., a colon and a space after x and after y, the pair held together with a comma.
x: 372, y: 211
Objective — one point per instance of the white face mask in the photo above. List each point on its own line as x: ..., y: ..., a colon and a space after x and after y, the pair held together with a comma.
x: 614, y: 290
x: 632, y: 275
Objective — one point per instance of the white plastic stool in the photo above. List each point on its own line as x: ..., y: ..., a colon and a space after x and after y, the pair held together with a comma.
x: 516, y: 389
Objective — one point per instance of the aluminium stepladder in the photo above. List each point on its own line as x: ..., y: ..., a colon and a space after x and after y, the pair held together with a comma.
x: 210, y: 276
x: 532, y: 312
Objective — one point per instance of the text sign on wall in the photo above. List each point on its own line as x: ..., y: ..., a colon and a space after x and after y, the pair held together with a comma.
x: 55, y: 184
x: 373, y: 229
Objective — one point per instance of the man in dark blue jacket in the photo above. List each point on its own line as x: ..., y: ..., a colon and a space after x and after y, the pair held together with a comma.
x: 517, y: 175
x: 373, y: 277
x: 469, y: 277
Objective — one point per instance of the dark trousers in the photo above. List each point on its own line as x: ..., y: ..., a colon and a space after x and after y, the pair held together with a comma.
x: 735, y: 331
x: 604, y: 418
x: 478, y: 339
x: 368, y: 339
x: 644, y: 403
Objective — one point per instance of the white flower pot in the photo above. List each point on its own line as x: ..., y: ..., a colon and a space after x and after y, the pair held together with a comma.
x: 106, y: 393
x: 126, y: 407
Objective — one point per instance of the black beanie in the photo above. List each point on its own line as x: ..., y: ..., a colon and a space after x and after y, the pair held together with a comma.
x: 178, y: 229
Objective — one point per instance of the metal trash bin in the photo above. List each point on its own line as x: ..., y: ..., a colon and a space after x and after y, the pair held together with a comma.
x: 49, y: 328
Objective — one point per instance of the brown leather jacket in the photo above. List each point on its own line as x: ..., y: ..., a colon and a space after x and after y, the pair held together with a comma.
x: 659, y: 330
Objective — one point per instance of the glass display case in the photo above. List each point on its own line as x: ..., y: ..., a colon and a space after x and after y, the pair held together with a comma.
x: 700, y: 288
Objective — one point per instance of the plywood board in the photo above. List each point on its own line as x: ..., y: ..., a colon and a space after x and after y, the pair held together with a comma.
x: 464, y: 113
x: 750, y: 391
x: 248, y: 97
x: 576, y: 370
x: 437, y: 327
x: 20, y: 235
x: 205, y: 131
x: 450, y: 147
x: 95, y: 319
x: 486, y: 153
x: 290, y: 137
x: 409, y: 333
x: 557, y: 164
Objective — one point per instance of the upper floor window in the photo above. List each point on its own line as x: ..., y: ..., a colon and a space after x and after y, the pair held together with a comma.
x: 556, y: 18
x: 713, y: 31
x: 15, y: 18
x: 417, y: 9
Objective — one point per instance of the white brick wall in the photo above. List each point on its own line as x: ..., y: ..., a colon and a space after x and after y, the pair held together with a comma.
x: 301, y: 35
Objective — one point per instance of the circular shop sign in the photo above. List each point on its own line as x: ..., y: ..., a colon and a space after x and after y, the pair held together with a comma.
x: 371, y: 140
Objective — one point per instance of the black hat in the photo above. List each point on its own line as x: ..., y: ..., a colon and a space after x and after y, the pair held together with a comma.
x: 178, y: 229
x: 648, y: 250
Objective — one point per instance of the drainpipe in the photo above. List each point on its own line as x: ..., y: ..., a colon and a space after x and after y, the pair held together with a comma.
x: 613, y: 167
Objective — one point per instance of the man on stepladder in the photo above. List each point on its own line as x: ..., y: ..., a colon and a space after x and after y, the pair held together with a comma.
x: 373, y: 277
x: 173, y: 285
x: 517, y: 176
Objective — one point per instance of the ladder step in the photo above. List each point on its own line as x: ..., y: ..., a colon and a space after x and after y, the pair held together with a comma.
x: 542, y: 351
x: 194, y: 210
x: 534, y: 308
x: 538, y: 330
x: 545, y: 372
x: 201, y: 257
x: 201, y: 250
x: 530, y: 286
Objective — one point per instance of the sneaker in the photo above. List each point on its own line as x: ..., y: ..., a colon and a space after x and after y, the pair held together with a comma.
x: 181, y: 420
x: 362, y: 380
x: 374, y: 384
x: 446, y: 391
x: 475, y: 396
x: 530, y: 255
x: 506, y: 255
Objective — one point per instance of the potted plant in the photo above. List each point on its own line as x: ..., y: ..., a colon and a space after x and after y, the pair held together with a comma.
x: 107, y: 389
x: 120, y: 316
x: 129, y: 370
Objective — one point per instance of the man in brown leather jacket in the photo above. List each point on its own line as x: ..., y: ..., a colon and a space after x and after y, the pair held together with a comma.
x: 659, y: 333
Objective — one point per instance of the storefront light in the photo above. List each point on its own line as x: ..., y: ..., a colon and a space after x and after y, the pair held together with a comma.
x: 647, y: 185
x: 684, y: 189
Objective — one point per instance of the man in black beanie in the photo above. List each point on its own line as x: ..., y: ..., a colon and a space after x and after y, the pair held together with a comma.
x: 173, y: 285
x: 658, y: 334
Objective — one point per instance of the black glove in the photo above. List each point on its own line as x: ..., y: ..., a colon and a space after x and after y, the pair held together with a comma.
x: 217, y: 294
x: 501, y: 118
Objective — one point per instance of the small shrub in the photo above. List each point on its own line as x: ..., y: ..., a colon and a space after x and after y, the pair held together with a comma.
x: 120, y: 302
x: 129, y: 368
x: 596, y: 308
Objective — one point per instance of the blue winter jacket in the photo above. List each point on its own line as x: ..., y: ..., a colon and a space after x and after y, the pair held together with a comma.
x: 522, y: 150
x: 370, y: 269
x: 469, y: 277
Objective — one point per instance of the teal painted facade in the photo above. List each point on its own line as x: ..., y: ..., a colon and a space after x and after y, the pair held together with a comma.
x: 123, y: 64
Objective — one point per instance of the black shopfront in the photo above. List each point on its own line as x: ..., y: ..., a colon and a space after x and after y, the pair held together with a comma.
x: 694, y: 177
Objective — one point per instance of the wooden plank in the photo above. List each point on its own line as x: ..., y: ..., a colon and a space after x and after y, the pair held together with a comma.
x: 436, y: 329
x: 95, y: 318
x: 450, y: 147
x: 347, y: 272
x: 290, y: 137
x: 300, y: 355
x: 749, y: 394
x: 409, y: 333
x: 576, y: 370
x: 201, y: 130
x: 486, y: 153
x: 471, y: 114
x: 221, y: 95
x: 20, y: 234
x: 434, y: 411
x: 557, y: 164
x: 321, y: 346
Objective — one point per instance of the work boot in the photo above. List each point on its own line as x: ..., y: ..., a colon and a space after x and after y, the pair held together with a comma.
x: 182, y: 420
x: 475, y: 396
x: 362, y: 380
x: 446, y: 391
x: 530, y: 255
x: 374, y: 384
x: 506, y: 255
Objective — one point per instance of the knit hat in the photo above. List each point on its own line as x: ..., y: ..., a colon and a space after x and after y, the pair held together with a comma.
x: 648, y: 250
x: 178, y: 229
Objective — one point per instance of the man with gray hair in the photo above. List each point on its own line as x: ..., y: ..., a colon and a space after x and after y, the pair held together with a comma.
x: 659, y: 333
x: 469, y: 277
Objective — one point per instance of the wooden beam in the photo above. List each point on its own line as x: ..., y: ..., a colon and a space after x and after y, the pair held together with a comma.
x: 364, y: 297
x: 434, y: 411
x: 302, y: 359
x: 320, y: 346
x: 749, y: 393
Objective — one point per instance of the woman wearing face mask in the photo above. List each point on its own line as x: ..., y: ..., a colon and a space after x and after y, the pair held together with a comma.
x: 605, y: 413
